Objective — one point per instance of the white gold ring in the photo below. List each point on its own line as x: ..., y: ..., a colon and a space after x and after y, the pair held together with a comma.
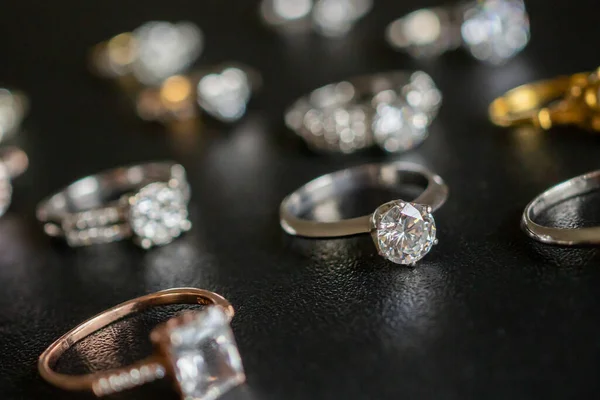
x: 403, y: 232
x: 392, y: 110
x: 147, y: 202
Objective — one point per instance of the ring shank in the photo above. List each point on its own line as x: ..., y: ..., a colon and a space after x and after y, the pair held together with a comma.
x: 82, y: 382
x: 573, y: 187
x: 388, y: 175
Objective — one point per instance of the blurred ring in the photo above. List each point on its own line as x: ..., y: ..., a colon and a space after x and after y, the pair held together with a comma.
x: 391, y: 109
x: 491, y: 30
x: 151, y: 53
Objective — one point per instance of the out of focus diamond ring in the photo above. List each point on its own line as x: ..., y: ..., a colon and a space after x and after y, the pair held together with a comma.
x: 492, y: 30
x: 151, y: 53
x: 328, y: 17
x: 393, y: 110
x: 13, y: 107
x: 197, y: 349
x: 147, y: 202
x: 222, y: 91
x: 403, y: 232
x: 13, y: 162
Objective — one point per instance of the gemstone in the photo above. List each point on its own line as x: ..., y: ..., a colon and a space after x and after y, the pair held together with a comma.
x: 496, y: 30
x: 424, y: 33
x: 404, y: 232
x: 165, y: 49
x: 225, y: 94
x: 205, y: 357
x: 398, y: 127
x: 158, y: 214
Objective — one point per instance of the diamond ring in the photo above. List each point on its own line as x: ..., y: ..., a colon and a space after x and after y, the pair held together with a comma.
x: 222, y: 91
x: 578, y: 186
x: 196, y: 349
x: 491, y: 30
x: 392, y: 110
x: 13, y: 162
x: 332, y: 18
x: 151, y: 53
x: 403, y: 232
x: 147, y: 202
x: 13, y: 107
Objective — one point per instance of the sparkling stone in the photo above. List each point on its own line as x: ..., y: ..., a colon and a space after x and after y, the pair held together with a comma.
x: 496, y: 30
x: 225, y: 95
x: 336, y: 17
x: 159, y: 213
x: 165, y: 49
x: 205, y: 357
x: 424, y: 33
x: 422, y: 94
x: 398, y: 127
x: 405, y: 232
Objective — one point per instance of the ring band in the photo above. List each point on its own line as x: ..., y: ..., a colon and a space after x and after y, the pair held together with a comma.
x: 147, y: 201
x: 189, y: 331
x: 392, y: 109
x: 393, y: 225
x: 561, y: 236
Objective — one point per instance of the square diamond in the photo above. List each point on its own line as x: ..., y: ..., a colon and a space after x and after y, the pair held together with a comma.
x: 205, y: 357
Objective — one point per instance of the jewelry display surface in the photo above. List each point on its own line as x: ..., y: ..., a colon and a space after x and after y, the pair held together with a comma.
x: 488, y: 314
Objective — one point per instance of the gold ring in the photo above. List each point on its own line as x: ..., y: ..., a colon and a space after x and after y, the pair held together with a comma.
x: 564, y: 100
x: 185, y: 346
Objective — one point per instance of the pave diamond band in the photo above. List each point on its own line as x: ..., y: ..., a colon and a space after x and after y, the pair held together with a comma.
x: 147, y: 201
x: 403, y: 232
x: 196, y: 349
x: 392, y: 110
x: 491, y: 30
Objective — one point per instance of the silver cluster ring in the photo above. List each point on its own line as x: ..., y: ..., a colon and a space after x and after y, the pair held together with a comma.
x: 491, y: 30
x: 577, y: 186
x: 393, y: 110
x: 403, y: 232
x: 147, y: 202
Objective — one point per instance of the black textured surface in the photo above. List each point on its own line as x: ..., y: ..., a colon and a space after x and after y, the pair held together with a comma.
x: 488, y: 314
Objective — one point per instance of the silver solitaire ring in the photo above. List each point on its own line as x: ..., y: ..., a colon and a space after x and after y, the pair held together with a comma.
x: 392, y: 110
x: 403, y: 232
x: 146, y: 202
x: 491, y: 30
x: 574, y: 187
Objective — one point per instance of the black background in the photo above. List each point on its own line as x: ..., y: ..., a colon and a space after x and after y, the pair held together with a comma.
x: 489, y: 314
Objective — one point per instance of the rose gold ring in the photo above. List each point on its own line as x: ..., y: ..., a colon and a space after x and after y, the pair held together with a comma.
x: 197, y: 349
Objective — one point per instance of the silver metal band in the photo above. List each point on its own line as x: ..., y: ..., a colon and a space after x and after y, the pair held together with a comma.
x: 392, y: 109
x: 388, y: 175
x: 573, y: 187
x: 95, y: 209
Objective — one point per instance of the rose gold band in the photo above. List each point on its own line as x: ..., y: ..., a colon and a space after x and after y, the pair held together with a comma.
x: 147, y: 370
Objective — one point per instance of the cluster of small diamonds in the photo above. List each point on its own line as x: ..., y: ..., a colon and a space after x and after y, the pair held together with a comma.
x: 396, y: 119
